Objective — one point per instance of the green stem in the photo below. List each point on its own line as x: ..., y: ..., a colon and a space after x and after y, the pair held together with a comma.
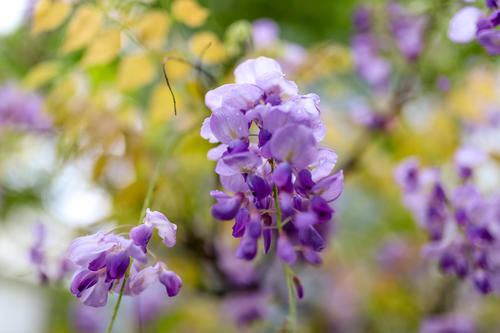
x: 292, y: 309
x: 117, y: 306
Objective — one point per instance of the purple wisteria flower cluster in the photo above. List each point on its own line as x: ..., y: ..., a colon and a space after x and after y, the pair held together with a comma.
x: 471, y: 23
x: 462, y: 224
x: 103, y: 259
x: 268, y: 137
x: 22, y: 110
x: 407, y: 31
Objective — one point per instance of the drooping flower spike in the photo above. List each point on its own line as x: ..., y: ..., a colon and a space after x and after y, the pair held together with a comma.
x: 268, y: 137
x: 462, y: 224
x: 102, y: 261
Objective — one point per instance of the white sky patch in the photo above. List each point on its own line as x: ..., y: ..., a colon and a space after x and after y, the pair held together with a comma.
x: 11, y: 14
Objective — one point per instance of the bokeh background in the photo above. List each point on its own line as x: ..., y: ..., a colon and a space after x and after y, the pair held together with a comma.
x: 90, y: 116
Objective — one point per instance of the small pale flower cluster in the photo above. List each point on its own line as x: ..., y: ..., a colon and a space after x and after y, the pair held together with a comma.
x: 102, y: 260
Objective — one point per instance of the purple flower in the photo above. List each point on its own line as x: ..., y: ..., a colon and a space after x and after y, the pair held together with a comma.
x: 270, y: 140
x: 22, y: 110
x: 467, y: 158
x: 141, y: 235
x: 492, y: 4
x: 462, y: 227
x: 490, y: 40
x: 374, y: 69
x: 87, y: 319
x: 265, y: 33
x: 102, y: 261
x: 166, y: 229
x: 450, y: 323
x: 246, y: 308
x: 463, y: 26
x: 408, y: 30
x: 363, y: 19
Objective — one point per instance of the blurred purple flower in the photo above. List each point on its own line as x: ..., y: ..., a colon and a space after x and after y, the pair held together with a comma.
x: 37, y: 251
x: 87, y: 319
x: 22, y: 110
x: 246, y: 308
x: 454, y: 323
x: 265, y: 33
x: 408, y: 30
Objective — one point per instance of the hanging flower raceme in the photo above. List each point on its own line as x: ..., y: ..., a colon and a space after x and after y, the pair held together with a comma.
x: 462, y: 225
x: 102, y: 261
x: 471, y: 23
x: 268, y: 139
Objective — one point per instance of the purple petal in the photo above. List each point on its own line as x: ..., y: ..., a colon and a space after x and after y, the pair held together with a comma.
x: 330, y: 188
x: 234, y: 164
x: 226, y: 209
x: 241, y: 220
x: 234, y: 96
x: 228, y: 125
x: 282, y: 177
x: 265, y: 33
x: 206, y: 131
x: 321, y: 208
x: 166, y: 229
x: 298, y: 149
x: 324, y: 164
x: 463, y: 26
x: 310, y: 237
x: 116, y: 264
x: 141, y: 280
x: 259, y: 186
x: 247, y: 249
x: 305, y: 220
x: 172, y: 282
x: 234, y: 184
x: 311, y: 256
x: 254, y: 228
x: 98, y: 262
x: 141, y: 235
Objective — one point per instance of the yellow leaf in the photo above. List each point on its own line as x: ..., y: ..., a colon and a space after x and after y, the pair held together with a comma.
x: 103, y: 48
x: 189, y: 12
x: 161, y: 105
x: 152, y: 28
x: 176, y: 69
x: 135, y: 71
x: 84, y: 26
x: 209, y: 44
x: 49, y: 15
x: 41, y: 74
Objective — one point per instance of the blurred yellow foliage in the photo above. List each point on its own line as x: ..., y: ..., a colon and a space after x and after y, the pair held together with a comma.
x: 152, y: 28
x: 189, y: 12
x: 135, y: 71
x: 208, y: 47
x: 49, y: 15
x: 103, y: 48
x: 161, y: 105
x: 477, y: 94
x: 176, y: 69
x: 41, y: 74
x: 84, y: 26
